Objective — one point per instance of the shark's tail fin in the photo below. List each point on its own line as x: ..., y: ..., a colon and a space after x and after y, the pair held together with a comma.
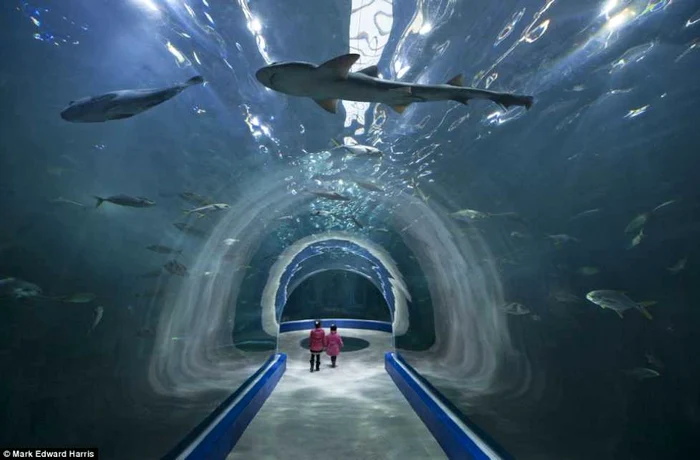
x: 198, y: 80
x: 506, y: 100
x: 99, y: 201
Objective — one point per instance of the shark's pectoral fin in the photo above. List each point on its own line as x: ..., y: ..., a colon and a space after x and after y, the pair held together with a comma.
x: 371, y: 71
x: 329, y: 105
x: 399, y: 108
x: 456, y: 81
x: 402, y: 89
x: 340, y: 66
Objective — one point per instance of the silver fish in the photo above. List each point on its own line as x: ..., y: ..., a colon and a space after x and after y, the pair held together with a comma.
x: 515, y: 308
x: 618, y: 302
x: 118, y: 105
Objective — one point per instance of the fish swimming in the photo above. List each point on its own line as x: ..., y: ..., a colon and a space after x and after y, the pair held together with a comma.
x: 194, y: 198
x: 514, y: 308
x: 356, y: 149
x: 80, y: 297
x: 642, y: 373
x: 638, y: 222
x: 583, y: 214
x: 371, y: 186
x: 588, y: 271
x: 333, y: 81
x: 204, y: 210
x: 19, y: 289
x: 468, y: 215
x: 118, y: 105
x: 561, y: 239
x: 637, y: 240
x: 98, y: 313
x: 126, y: 200
x: 175, y: 268
x: 678, y: 266
x: 190, y: 230
x: 618, y: 302
x: 329, y: 195
x: 663, y: 205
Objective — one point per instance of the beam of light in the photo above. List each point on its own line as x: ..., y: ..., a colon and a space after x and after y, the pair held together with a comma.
x: 147, y: 5
x: 255, y: 27
x: 620, y: 19
x: 370, y: 25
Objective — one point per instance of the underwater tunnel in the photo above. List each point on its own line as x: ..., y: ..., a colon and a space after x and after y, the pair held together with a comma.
x: 373, y: 385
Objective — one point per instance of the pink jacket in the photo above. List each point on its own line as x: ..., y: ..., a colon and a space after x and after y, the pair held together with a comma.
x: 333, y: 344
x: 316, y: 339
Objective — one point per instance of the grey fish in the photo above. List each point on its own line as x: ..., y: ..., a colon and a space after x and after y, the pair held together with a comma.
x: 663, y: 205
x: 163, y: 249
x: 330, y: 195
x: 371, y: 186
x: 79, y: 297
x: 678, y: 266
x: 356, y: 222
x: 515, y: 308
x: 98, y: 313
x: 583, y: 214
x: 468, y: 215
x: 126, y: 200
x: 195, y: 199
x: 332, y: 80
x: 637, y: 240
x: 642, y: 373
x: 190, y: 230
x: 122, y: 104
x: 19, y: 289
x: 175, y: 268
x: 561, y: 239
x: 638, y: 222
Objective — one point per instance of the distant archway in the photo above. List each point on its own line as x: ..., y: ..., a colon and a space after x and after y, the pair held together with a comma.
x: 335, y: 294
x: 375, y: 264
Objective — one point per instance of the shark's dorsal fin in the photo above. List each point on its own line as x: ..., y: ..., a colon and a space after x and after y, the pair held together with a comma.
x: 398, y: 108
x: 456, y: 81
x: 329, y: 105
x: 340, y: 66
x: 371, y: 71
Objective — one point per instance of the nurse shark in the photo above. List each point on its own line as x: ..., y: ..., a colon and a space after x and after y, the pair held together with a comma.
x: 332, y: 81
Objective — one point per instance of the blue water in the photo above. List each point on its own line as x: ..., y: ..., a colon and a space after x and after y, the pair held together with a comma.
x: 613, y: 131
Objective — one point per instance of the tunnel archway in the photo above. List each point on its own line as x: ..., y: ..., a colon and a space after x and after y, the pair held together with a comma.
x: 336, y: 294
x: 360, y: 256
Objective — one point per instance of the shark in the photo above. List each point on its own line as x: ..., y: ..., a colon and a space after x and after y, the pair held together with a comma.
x: 332, y: 81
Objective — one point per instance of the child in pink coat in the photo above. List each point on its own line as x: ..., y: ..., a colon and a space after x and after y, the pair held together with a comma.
x: 333, y: 343
x: 317, y: 341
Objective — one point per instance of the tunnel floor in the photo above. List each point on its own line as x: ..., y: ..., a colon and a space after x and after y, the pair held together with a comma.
x: 352, y: 411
